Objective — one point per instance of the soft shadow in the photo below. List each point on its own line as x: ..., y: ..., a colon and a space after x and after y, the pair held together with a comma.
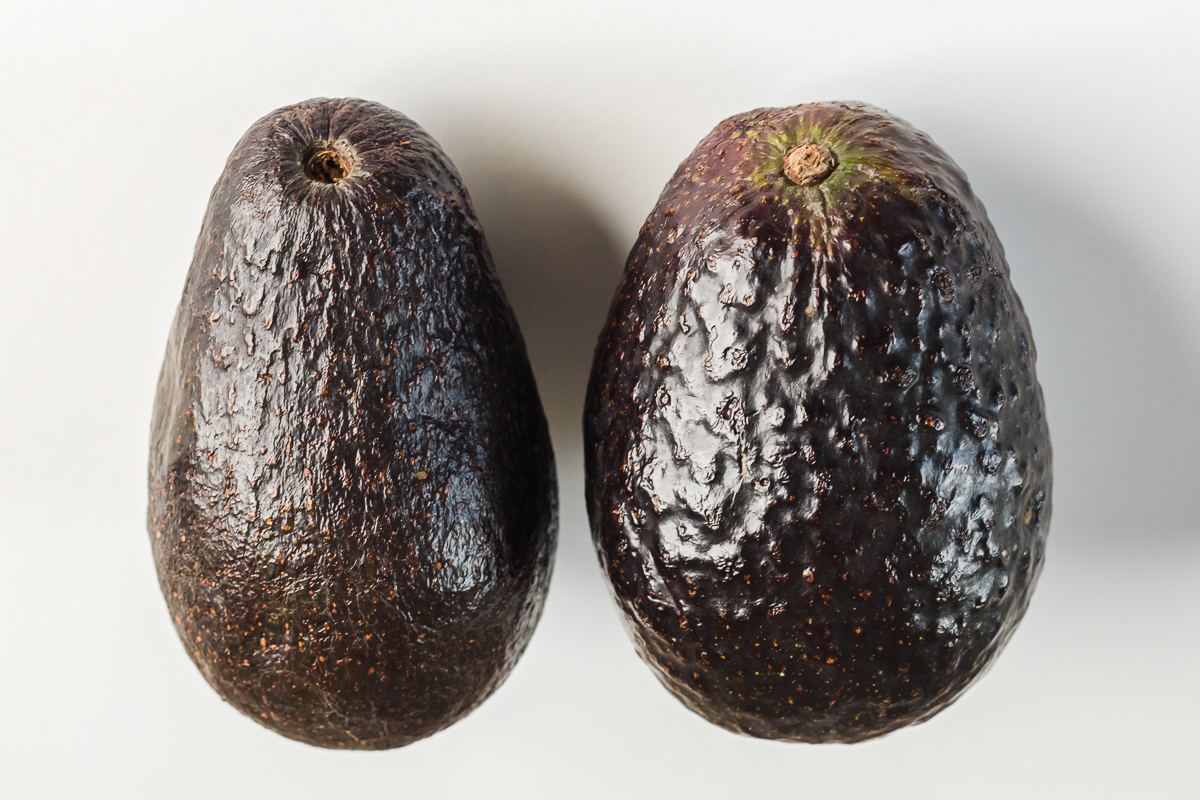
x: 1121, y: 374
x: 559, y: 267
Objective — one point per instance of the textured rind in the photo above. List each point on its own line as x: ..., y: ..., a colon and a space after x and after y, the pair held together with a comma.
x: 352, y: 496
x: 818, y: 468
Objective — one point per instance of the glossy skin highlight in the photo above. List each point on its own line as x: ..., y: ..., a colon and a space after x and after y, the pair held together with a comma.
x: 352, y: 496
x: 818, y: 465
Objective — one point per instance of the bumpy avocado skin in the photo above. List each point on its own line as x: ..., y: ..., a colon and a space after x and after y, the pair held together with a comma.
x: 352, y: 496
x: 818, y: 468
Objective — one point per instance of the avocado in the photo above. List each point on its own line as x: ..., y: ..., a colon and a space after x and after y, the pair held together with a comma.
x: 353, y: 505
x: 818, y: 467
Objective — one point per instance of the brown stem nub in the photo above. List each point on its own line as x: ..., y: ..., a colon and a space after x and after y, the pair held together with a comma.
x: 328, y: 163
x: 809, y: 164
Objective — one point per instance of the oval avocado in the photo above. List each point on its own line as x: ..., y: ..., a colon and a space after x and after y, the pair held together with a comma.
x: 818, y: 468
x: 352, y: 492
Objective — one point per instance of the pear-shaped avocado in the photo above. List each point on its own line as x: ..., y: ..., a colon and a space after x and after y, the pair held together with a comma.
x: 352, y: 493
x: 817, y: 458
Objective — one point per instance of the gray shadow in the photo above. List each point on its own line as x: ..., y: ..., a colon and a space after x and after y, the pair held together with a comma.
x: 1120, y: 372
x: 559, y: 267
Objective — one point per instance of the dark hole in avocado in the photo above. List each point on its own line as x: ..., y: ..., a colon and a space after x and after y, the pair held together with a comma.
x: 325, y: 162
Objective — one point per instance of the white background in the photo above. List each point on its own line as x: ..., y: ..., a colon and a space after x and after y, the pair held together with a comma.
x: 1078, y: 126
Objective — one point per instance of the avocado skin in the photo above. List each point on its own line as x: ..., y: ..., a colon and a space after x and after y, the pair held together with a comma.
x: 818, y: 467
x: 353, y: 505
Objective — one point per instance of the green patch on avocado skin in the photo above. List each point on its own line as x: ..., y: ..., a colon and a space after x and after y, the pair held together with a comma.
x: 855, y: 166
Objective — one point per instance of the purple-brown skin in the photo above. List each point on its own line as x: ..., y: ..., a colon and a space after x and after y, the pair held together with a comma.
x: 818, y: 468
x: 352, y: 495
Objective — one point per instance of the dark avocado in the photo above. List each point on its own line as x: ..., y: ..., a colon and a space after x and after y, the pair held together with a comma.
x: 352, y: 495
x: 818, y: 468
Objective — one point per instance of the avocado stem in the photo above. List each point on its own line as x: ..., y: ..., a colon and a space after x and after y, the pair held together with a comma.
x: 327, y: 162
x: 808, y: 164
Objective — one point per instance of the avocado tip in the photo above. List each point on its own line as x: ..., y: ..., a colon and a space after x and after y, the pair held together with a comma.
x: 808, y: 164
x: 329, y: 162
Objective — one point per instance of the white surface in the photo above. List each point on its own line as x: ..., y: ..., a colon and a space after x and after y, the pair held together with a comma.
x: 1077, y: 126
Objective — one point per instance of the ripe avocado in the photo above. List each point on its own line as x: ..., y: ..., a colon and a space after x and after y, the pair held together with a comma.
x: 353, y: 505
x: 818, y: 468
